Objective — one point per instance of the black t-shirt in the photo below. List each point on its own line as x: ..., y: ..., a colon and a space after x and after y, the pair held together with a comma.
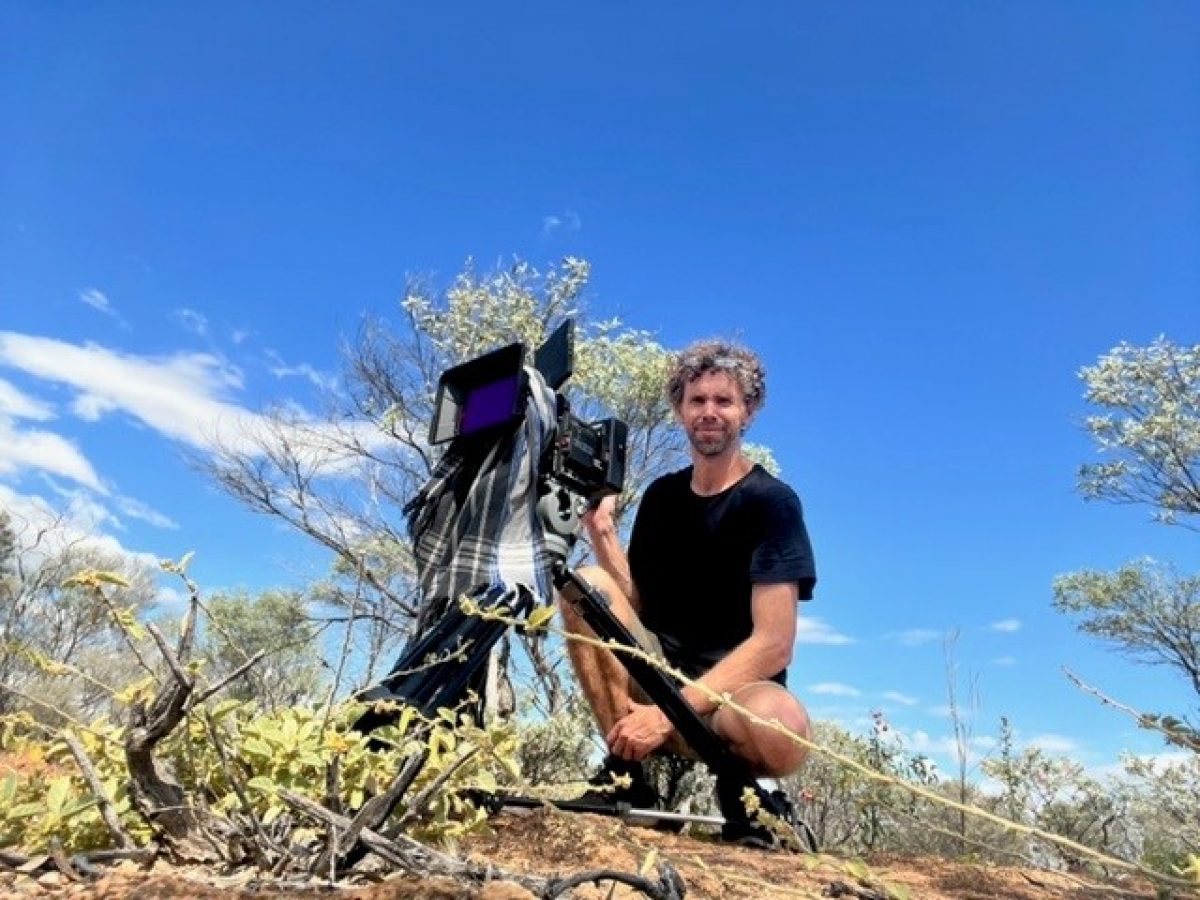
x: 695, y: 560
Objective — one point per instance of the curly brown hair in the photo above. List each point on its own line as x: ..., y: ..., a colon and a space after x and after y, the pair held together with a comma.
x: 740, y: 363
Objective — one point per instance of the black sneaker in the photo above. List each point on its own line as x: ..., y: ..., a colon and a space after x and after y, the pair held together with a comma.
x: 740, y: 826
x: 621, y: 781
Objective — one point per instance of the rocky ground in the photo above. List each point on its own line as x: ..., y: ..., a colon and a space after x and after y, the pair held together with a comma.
x: 553, y: 843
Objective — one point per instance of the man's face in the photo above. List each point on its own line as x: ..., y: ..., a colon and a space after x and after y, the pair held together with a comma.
x: 713, y: 413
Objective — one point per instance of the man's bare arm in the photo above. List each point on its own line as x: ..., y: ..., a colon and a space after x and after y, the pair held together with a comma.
x: 765, y: 653
x: 606, y: 545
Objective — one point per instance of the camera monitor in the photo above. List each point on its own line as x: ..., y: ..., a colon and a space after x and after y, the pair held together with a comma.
x: 484, y: 393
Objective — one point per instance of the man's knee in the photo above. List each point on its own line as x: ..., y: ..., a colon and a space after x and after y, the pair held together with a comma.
x: 601, y: 581
x: 767, y: 738
x: 571, y: 617
x: 618, y: 603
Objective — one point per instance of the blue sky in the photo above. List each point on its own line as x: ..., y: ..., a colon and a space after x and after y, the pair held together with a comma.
x: 927, y: 217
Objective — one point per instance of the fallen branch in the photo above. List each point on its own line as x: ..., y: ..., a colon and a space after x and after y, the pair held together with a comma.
x: 373, y: 814
x: 669, y: 886
x: 238, y: 788
x: 412, y: 856
x: 85, y: 862
x: 421, y: 801
x: 842, y: 889
x: 59, y: 857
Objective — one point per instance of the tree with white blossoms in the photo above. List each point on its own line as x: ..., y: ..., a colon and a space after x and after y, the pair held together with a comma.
x: 1150, y: 428
x: 1149, y: 425
x: 343, y: 480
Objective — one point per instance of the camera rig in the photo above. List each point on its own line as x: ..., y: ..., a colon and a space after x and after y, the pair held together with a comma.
x: 476, y: 403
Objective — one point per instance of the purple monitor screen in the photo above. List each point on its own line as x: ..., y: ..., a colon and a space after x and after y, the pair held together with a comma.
x: 490, y: 404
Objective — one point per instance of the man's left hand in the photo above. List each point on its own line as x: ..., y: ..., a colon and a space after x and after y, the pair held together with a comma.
x: 639, y: 732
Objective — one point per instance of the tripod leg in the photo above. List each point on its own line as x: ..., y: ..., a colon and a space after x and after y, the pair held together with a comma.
x: 436, y: 669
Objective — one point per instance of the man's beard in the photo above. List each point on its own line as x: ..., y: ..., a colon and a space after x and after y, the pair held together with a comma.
x: 710, y: 443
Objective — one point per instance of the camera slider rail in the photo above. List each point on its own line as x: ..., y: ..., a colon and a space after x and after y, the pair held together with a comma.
x: 494, y: 802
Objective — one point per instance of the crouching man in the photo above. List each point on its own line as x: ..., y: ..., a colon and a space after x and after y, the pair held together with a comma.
x: 718, y: 559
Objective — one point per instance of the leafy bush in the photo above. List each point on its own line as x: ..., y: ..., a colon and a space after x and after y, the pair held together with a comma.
x: 235, y: 746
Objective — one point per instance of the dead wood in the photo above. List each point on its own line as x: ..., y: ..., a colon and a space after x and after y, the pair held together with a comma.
x: 81, y: 862
x: 843, y: 889
x: 419, y: 803
x: 412, y: 856
x: 373, y: 814
x: 191, y: 834
x: 124, y: 840
x: 62, y: 863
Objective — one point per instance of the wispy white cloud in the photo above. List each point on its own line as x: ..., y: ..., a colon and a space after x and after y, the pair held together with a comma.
x: 186, y: 397
x: 137, y: 509
x: 567, y: 222
x: 179, y: 396
x: 240, y: 335
x: 944, y: 711
x: 193, y: 321
x: 1004, y: 661
x: 834, y: 689
x: 324, y: 380
x: 106, y: 509
x: 1054, y: 743
x: 897, y: 697
x: 100, y: 302
x: 79, y: 522
x: 1006, y: 625
x: 44, y: 451
x: 814, y: 630
x: 915, y: 637
x: 946, y: 746
x: 97, y: 300
x: 16, y: 404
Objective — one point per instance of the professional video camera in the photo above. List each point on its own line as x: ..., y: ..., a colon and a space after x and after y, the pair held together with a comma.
x: 479, y: 404
x: 489, y: 394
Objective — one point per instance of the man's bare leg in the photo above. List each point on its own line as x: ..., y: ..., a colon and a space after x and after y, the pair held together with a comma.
x: 602, y: 678
x: 769, y: 752
x: 606, y: 685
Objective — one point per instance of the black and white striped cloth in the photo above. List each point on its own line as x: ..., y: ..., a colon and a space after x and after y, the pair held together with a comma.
x: 475, y: 521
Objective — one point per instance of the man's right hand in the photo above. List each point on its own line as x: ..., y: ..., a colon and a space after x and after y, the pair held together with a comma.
x: 599, y: 519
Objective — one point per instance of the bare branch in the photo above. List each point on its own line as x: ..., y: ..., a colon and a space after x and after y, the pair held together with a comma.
x: 1187, y: 739
x: 405, y: 853
x: 231, y: 677
x: 107, y: 811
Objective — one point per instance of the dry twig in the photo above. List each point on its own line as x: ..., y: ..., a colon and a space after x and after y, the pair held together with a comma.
x: 124, y: 840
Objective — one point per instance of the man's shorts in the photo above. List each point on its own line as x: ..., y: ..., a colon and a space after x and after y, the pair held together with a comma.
x: 649, y: 641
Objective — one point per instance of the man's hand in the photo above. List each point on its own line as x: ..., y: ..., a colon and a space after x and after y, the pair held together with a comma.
x: 598, y: 519
x: 639, y: 732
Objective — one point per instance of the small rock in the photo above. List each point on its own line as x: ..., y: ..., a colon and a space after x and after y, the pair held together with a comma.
x: 50, y: 879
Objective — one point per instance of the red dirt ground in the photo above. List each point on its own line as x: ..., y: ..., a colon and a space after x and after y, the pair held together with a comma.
x: 552, y: 843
